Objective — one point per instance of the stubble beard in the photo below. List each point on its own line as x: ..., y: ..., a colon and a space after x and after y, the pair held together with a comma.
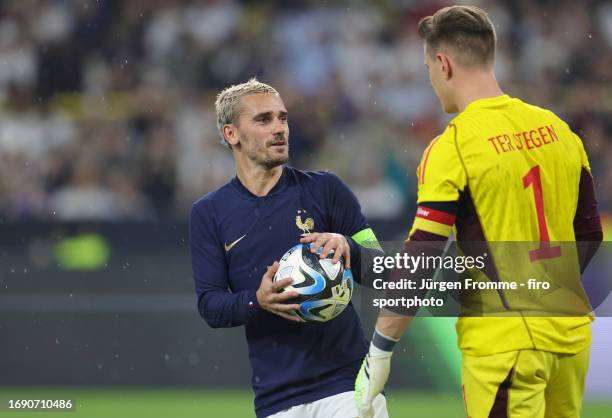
x: 266, y: 161
x: 270, y: 162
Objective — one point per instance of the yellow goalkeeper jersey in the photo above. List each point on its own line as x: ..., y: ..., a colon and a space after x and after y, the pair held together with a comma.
x: 515, y: 170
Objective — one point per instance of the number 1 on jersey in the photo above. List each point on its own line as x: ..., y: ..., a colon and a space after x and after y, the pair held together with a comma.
x: 532, y: 178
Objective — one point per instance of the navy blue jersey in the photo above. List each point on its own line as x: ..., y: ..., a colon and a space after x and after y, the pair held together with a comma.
x: 235, y: 235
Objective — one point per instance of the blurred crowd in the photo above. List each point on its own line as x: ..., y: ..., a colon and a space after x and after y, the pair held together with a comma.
x: 106, y: 107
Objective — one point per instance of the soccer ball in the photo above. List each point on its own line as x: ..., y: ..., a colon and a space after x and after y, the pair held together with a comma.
x: 325, y: 288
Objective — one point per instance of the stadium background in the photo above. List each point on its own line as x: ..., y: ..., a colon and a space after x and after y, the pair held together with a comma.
x: 107, y: 134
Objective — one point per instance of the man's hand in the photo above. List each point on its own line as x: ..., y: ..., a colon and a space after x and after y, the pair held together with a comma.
x: 371, y: 380
x: 330, y: 241
x: 270, y: 297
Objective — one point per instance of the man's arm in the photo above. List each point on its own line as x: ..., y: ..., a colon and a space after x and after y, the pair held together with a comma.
x: 219, y: 307
x: 436, y: 219
x: 394, y: 323
x: 587, y: 223
x: 347, y: 219
x: 349, y: 230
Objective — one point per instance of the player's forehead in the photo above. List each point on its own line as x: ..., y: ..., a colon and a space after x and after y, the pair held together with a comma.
x: 257, y: 103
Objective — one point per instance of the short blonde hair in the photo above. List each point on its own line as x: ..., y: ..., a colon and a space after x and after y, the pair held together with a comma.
x: 227, y: 104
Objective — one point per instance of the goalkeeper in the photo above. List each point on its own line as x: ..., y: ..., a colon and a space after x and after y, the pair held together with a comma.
x: 503, y: 170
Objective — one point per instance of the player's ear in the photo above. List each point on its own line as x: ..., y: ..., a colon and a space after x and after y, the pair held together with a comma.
x: 445, y: 65
x: 230, y: 134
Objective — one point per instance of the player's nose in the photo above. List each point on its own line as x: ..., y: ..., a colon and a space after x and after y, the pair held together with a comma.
x: 280, y: 129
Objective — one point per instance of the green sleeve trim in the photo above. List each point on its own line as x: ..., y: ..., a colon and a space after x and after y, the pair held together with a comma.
x: 367, y: 239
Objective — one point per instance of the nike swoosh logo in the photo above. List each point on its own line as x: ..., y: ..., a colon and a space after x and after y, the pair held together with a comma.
x: 231, y: 245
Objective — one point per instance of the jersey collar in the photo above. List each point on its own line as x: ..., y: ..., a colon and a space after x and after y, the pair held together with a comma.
x: 280, y: 185
x: 489, y: 102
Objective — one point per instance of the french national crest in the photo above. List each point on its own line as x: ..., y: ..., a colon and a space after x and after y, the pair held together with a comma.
x: 305, y: 226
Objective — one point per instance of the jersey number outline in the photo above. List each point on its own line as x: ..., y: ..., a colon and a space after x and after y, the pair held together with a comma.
x: 533, y: 178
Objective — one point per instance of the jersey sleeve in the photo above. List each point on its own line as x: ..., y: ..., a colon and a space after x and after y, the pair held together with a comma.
x: 346, y: 218
x: 441, y: 178
x: 587, y: 223
x: 583, y: 155
x: 441, y: 175
x: 344, y: 210
x: 217, y: 305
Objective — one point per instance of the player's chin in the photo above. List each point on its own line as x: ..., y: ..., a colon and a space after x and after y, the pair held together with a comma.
x: 276, y: 160
x: 279, y: 153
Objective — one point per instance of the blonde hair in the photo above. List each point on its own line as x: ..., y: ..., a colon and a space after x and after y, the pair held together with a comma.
x: 227, y: 104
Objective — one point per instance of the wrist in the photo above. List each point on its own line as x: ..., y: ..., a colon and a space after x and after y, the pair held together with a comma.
x: 382, y: 344
x: 354, y: 249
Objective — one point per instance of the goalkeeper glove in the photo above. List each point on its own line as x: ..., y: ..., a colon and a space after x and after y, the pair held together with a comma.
x: 373, y: 374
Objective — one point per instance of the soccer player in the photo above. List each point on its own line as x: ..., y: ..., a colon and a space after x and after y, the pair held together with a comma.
x: 502, y: 170
x: 300, y: 369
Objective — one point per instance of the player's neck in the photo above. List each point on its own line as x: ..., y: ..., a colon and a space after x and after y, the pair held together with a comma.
x: 258, y: 180
x: 479, y: 85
